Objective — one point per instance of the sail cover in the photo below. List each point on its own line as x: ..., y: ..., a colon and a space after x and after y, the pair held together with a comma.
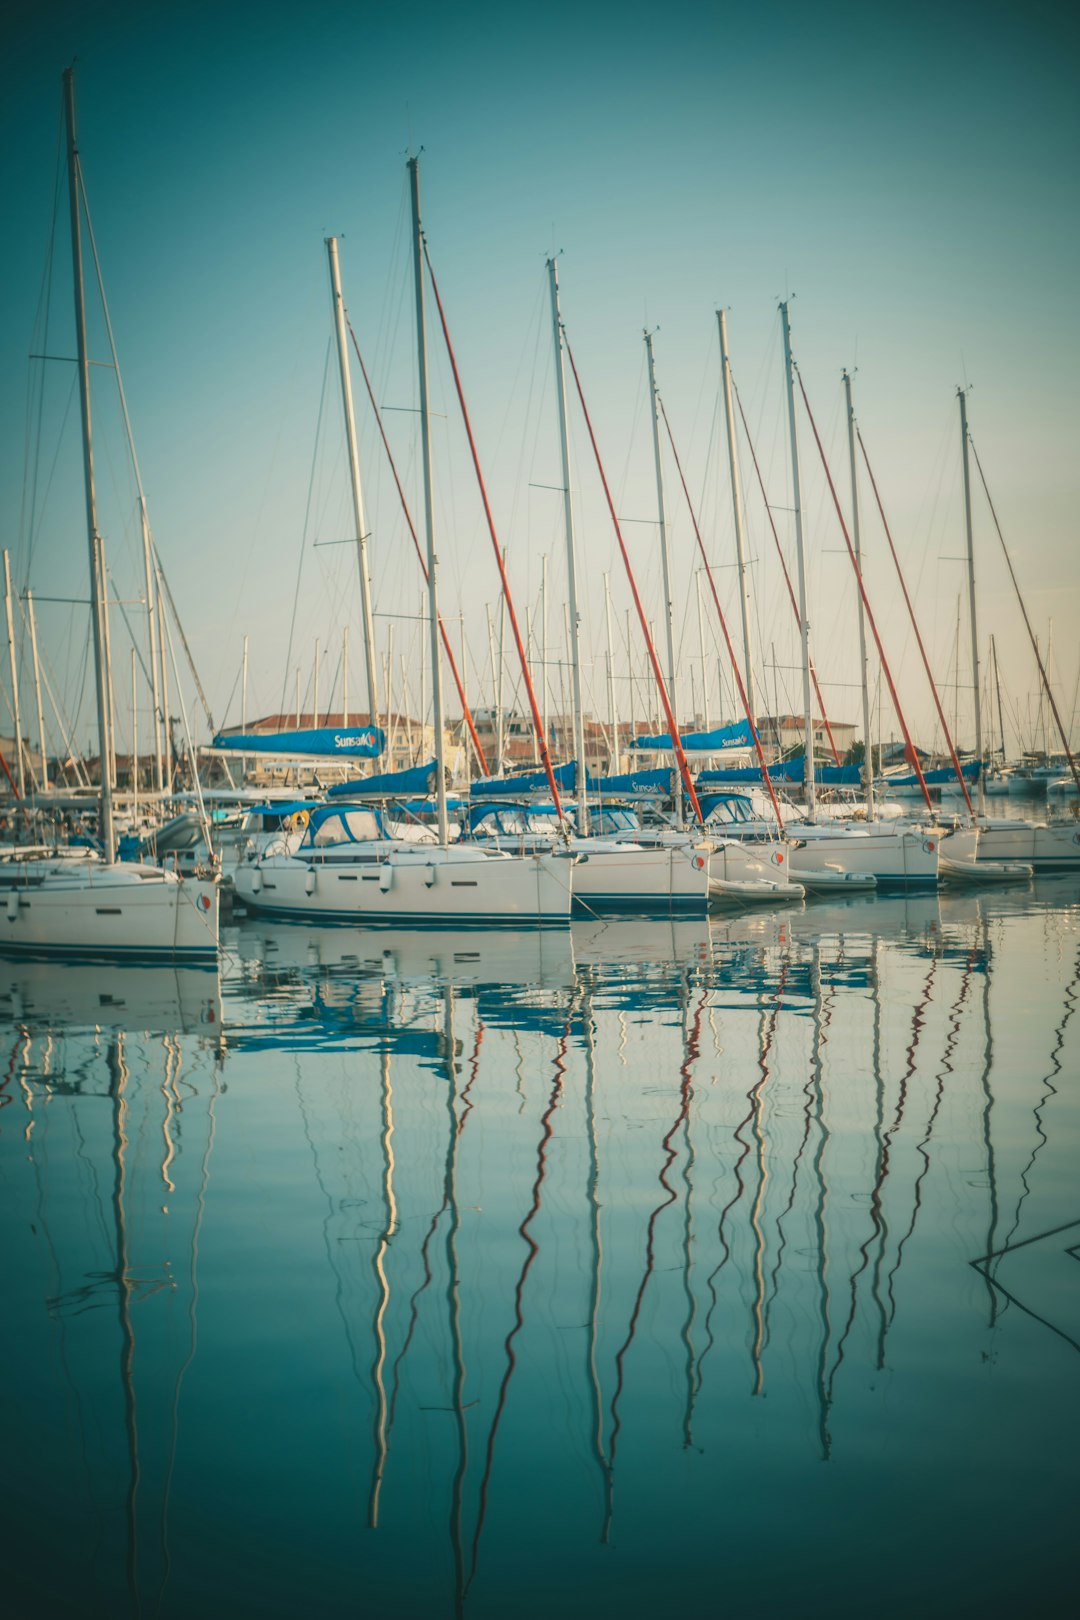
x: 326, y: 742
x: 417, y: 779
x: 737, y: 735
x: 500, y: 787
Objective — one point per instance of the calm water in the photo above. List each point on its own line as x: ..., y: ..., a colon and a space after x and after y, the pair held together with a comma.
x: 644, y: 1267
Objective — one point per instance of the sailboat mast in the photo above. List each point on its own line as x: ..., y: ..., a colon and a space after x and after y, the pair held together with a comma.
x: 37, y: 690
x: 665, y: 552
x: 737, y: 511
x: 613, y: 711
x: 16, y: 713
x: 864, y: 669
x: 97, y: 563
x: 151, y: 623
x: 976, y: 694
x: 429, y: 507
x: 997, y: 693
x: 661, y: 517
x: 354, y: 482
x: 571, y: 560
x: 804, y: 625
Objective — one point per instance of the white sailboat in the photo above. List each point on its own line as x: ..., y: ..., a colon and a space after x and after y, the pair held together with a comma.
x: 1045, y: 846
x: 895, y: 856
x: 96, y: 907
x: 351, y: 866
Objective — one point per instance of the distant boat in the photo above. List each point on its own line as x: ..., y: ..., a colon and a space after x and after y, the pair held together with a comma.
x: 93, y: 907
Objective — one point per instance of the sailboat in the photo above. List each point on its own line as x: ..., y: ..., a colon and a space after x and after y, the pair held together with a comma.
x: 1047, y: 847
x: 94, y: 907
x: 353, y: 866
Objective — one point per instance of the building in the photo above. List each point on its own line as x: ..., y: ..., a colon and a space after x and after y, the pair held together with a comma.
x: 784, y: 733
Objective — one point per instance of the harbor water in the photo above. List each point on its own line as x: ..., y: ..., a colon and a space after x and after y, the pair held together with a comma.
x: 719, y: 1267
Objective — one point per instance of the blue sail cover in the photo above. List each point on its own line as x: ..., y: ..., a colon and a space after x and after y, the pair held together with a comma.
x: 326, y: 742
x: 939, y: 778
x: 658, y: 781
x: 499, y: 787
x: 737, y: 735
x: 788, y: 770
x: 417, y: 779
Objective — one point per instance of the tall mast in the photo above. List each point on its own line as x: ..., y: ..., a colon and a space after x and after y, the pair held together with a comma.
x: 571, y: 560
x: 701, y: 647
x: 20, y: 769
x: 737, y: 512
x: 429, y: 507
x: 804, y: 625
x: 151, y: 620
x: 37, y: 690
x: 864, y: 670
x: 997, y: 693
x: 977, y: 695
x: 354, y: 480
x: 97, y: 561
x: 613, y: 712
x: 661, y: 518
x: 243, y: 688
x: 665, y: 555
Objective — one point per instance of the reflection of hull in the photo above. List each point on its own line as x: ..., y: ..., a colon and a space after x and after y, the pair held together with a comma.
x: 1047, y: 848
x: 466, y: 956
x: 80, y: 911
x: 645, y: 940
x: 399, y: 885
x: 92, y: 995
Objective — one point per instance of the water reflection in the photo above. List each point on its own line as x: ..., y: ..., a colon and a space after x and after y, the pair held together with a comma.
x: 395, y: 1247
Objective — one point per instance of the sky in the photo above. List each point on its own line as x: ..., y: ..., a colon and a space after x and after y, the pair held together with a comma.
x: 906, y: 177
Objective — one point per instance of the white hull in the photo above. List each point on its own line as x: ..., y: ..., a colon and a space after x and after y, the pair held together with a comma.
x: 896, y: 857
x: 629, y: 878
x: 87, y: 909
x: 1048, y: 848
x: 402, y: 883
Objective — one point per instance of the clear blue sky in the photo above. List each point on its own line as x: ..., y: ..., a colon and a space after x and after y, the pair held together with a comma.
x: 910, y: 177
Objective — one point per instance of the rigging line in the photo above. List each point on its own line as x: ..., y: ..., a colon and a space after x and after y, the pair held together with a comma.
x: 866, y: 602
x: 304, y: 530
x: 661, y: 686
x: 26, y: 521
x: 724, y: 627
x: 508, y: 599
x: 783, y: 565
x: 447, y: 648
x: 1027, y: 621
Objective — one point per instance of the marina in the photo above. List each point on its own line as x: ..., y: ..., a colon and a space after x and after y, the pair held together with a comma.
x: 539, y: 814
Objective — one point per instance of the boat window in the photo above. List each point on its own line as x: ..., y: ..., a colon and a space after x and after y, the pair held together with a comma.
x: 362, y: 825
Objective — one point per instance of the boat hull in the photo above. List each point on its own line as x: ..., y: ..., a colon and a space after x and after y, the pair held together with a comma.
x: 419, y: 883
x: 898, y: 858
x: 1046, y: 847
x: 89, y: 911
